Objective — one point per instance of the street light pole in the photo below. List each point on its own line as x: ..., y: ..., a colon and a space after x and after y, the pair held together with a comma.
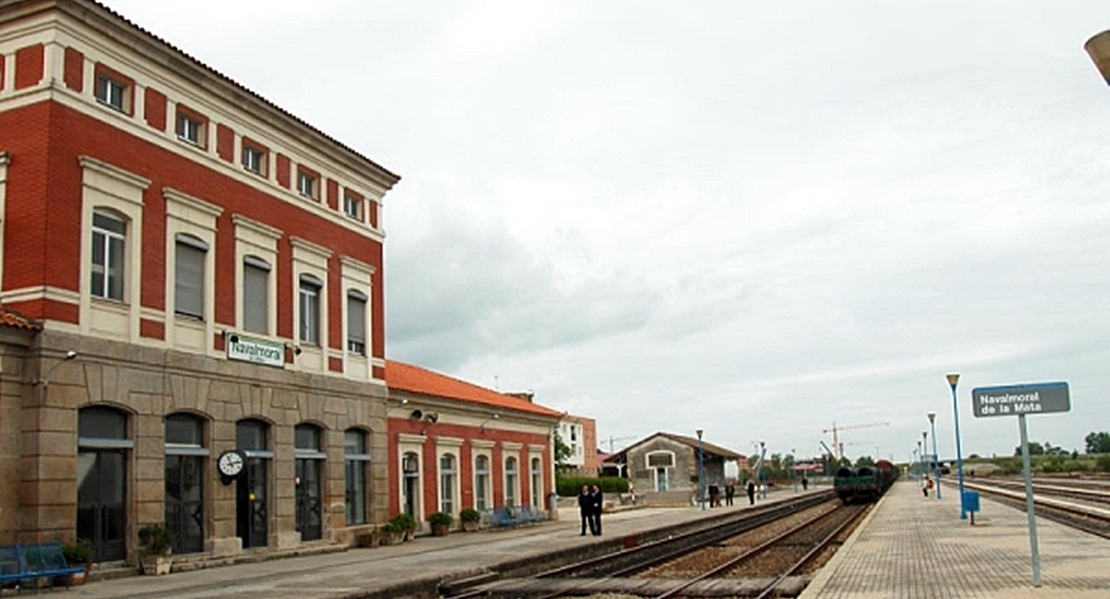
x: 762, y: 469
x: 701, y: 469
x: 919, y: 461
x: 954, y: 378
x: 793, y: 480
x: 936, y: 457
x: 924, y: 462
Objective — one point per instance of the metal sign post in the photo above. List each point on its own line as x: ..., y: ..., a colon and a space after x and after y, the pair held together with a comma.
x: 1029, y: 501
x: 1019, y: 400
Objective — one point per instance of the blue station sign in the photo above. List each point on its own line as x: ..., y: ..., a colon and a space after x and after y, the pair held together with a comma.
x: 1016, y: 400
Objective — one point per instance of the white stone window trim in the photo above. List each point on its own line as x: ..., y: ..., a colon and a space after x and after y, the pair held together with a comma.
x: 664, y: 452
x: 515, y: 485
x: 442, y: 452
x: 483, y: 451
x: 189, y: 215
x: 409, y: 443
x: 311, y: 259
x: 5, y: 159
x: 253, y: 238
x: 104, y: 186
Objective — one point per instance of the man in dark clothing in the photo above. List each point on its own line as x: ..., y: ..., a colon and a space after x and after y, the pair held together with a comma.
x: 714, y: 494
x: 586, y: 509
x: 751, y: 492
x: 597, y: 499
x: 805, y: 483
x: 730, y: 492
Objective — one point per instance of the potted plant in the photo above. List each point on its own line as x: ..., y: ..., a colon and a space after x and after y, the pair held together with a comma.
x: 441, y: 523
x: 370, y: 538
x: 78, y: 554
x: 157, y: 544
x: 407, y: 524
x: 393, y: 532
x: 470, y: 519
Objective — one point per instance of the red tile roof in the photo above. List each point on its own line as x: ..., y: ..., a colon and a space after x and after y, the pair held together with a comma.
x: 414, y: 379
x: 11, y: 318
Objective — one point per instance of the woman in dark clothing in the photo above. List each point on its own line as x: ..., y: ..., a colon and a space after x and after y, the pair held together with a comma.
x: 586, y: 509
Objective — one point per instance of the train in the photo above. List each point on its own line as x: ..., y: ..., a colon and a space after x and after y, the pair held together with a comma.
x: 865, y: 483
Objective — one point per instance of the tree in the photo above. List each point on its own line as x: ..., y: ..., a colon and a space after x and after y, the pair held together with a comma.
x: 864, y: 460
x: 1097, y: 442
x: 562, y: 451
x: 1034, y: 449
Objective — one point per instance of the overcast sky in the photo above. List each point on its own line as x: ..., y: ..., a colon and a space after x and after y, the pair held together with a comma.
x: 752, y: 218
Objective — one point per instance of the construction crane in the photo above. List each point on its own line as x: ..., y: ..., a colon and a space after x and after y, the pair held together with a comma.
x: 835, y: 430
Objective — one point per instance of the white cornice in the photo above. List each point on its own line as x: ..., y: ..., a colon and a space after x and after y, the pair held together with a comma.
x: 299, y: 243
x: 262, y: 229
x: 103, y: 168
x: 358, y: 265
x: 181, y: 197
x: 411, y: 439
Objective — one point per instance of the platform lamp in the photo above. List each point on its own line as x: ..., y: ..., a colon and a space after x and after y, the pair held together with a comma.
x: 936, y: 456
x: 793, y: 465
x: 1098, y: 48
x: 701, y: 469
x: 762, y: 469
x: 953, y: 378
x: 916, y: 463
x: 924, y: 462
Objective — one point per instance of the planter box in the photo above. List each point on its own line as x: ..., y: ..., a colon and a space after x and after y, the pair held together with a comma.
x: 471, y: 526
x: 440, y: 530
x: 156, y: 565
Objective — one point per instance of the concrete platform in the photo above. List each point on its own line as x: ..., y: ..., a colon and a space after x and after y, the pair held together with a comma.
x: 409, y: 570
x: 914, y: 547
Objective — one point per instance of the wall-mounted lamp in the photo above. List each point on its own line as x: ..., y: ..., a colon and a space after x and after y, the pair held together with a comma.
x: 431, y: 416
x: 45, y: 380
x: 482, y: 426
x: 416, y: 414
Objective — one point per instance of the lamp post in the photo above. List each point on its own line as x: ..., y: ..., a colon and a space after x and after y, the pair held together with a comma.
x: 762, y: 470
x: 920, y: 461
x: 701, y: 470
x: 924, y: 462
x: 793, y: 480
x: 953, y: 378
x: 936, y: 457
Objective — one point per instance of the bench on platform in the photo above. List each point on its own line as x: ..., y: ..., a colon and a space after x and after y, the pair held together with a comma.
x: 501, y: 517
x: 34, y: 562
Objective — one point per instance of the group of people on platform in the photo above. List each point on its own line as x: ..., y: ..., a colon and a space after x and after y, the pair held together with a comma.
x: 589, y: 508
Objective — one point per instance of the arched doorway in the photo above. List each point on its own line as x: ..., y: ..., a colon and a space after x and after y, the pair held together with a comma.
x: 309, y: 468
x: 185, y: 458
x: 252, y: 437
x: 410, y: 468
x: 102, y: 448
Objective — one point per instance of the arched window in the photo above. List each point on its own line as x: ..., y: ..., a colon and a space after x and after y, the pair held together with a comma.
x: 184, y: 474
x: 448, y: 475
x: 309, y: 464
x: 356, y: 457
x: 481, y: 482
x: 512, y: 482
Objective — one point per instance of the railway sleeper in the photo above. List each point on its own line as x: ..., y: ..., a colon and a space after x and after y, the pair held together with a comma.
x: 645, y: 587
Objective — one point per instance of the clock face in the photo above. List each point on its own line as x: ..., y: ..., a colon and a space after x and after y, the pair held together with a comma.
x: 230, y: 463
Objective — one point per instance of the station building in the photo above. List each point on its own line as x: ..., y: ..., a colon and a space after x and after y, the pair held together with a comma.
x: 192, y: 329
x: 579, y: 433
x: 663, y: 467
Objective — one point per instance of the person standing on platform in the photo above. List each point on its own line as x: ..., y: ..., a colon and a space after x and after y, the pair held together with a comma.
x: 730, y: 492
x: 751, y: 492
x: 714, y: 494
x: 586, y: 509
x: 597, y: 499
x: 805, y: 482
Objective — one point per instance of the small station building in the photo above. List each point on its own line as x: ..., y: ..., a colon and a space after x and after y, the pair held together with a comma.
x: 663, y: 467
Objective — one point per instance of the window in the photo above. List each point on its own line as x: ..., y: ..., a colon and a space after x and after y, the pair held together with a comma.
x: 352, y: 207
x: 108, y: 234
x: 481, y: 482
x: 447, y: 475
x: 111, y: 92
x: 190, y: 129
x: 310, y: 309
x: 573, y: 432
x: 256, y: 291
x: 356, y: 322
x: 189, y: 275
x: 254, y: 160
x: 660, y: 459
x: 511, y: 478
x: 537, y: 484
x: 306, y: 184
x: 356, y: 457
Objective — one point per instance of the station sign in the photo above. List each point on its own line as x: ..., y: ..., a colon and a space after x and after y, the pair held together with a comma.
x: 1019, y: 400
x: 258, y: 351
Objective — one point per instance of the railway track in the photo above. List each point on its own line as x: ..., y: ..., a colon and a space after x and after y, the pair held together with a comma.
x: 1088, y: 518
x: 815, y: 524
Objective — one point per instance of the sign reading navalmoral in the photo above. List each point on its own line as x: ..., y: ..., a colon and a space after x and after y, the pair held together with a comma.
x: 1016, y: 400
x: 258, y: 351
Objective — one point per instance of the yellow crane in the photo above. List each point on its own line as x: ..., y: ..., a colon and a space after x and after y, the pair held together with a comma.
x: 835, y: 430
